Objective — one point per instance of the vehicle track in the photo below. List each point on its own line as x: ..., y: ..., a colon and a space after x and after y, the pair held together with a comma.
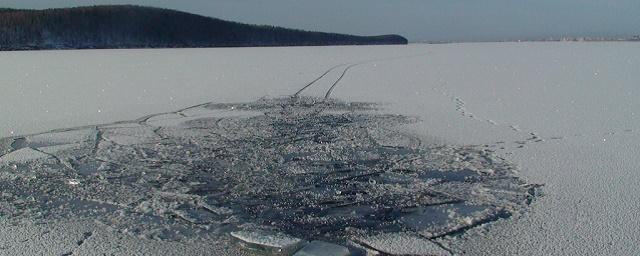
x: 333, y: 86
x: 297, y: 94
x: 349, y: 67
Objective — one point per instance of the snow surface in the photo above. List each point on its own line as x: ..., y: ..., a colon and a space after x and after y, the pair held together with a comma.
x: 565, y: 113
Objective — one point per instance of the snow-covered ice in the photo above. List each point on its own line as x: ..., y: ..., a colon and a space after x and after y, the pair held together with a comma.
x: 22, y: 156
x: 560, y: 114
x: 403, y: 244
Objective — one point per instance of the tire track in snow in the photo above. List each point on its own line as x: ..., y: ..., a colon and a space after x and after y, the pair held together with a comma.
x: 350, y: 65
x: 333, y: 86
x: 347, y: 69
x: 316, y: 80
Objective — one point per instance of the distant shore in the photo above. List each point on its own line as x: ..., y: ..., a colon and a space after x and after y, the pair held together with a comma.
x: 133, y: 27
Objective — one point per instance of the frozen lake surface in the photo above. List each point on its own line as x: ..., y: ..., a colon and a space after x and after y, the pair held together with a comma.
x: 563, y: 113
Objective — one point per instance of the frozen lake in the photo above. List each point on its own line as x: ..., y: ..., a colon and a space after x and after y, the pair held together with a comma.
x: 57, y: 89
x: 565, y: 113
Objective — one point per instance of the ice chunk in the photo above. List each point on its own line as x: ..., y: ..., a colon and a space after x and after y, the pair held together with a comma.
x: 196, y: 215
x: 87, y: 166
x: 23, y: 155
x: 170, y: 119
x: 269, y: 241
x: 320, y: 248
x: 445, y: 219
x: 121, y: 125
x: 403, y: 244
x: 5, y: 145
x: 60, y: 138
x: 59, y: 148
x: 130, y: 136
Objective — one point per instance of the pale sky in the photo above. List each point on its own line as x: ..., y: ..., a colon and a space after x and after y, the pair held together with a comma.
x: 418, y: 20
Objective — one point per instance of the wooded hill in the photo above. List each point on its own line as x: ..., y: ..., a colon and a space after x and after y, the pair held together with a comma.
x: 126, y: 26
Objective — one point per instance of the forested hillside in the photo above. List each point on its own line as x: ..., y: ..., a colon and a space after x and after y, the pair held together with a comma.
x: 125, y: 26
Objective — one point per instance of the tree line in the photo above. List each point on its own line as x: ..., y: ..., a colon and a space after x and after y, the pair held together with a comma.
x: 126, y: 26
